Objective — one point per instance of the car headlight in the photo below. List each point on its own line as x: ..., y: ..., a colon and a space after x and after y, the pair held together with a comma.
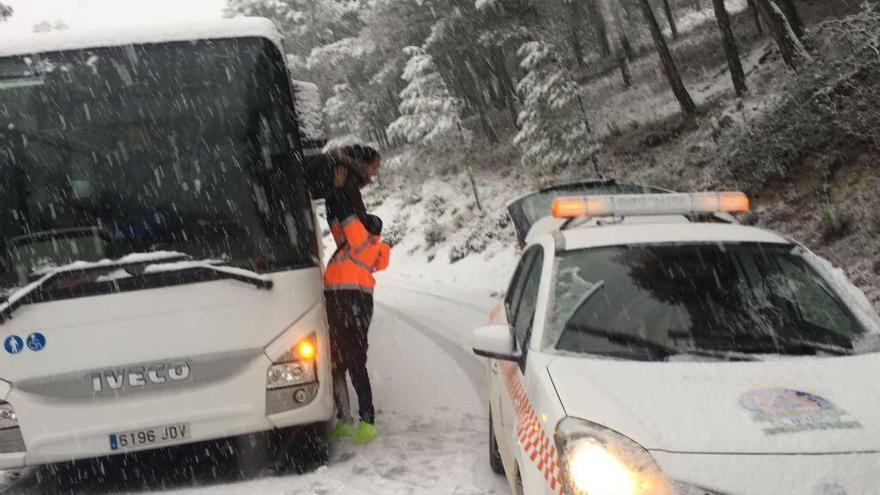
x: 8, y: 419
x: 599, y: 461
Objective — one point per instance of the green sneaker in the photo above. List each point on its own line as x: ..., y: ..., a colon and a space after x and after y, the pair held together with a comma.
x: 341, y: 430
x: 365, y: 433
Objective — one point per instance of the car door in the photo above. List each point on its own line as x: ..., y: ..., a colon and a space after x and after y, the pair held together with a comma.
x: 521, y: 313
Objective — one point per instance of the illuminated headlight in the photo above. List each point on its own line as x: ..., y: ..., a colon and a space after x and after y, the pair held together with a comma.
x: 7, y: 416
x: 599, y: 461
x: 295, y: 367
x: 290, y: 374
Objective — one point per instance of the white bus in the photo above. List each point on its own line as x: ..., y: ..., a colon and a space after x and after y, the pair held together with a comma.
x: 159, y: 257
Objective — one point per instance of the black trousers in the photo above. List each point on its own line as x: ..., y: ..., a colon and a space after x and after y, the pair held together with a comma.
x: 349, y: 313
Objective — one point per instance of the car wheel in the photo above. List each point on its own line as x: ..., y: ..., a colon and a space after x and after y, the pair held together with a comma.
x: 520, y: 490
x: 495, y: 461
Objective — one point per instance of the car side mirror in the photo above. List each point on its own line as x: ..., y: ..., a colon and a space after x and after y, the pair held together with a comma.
x: 495, y: 342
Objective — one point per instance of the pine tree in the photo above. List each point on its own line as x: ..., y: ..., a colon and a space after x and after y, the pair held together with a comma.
x: 554, y: 130
x: 344, y: 112
x: 429, y: 113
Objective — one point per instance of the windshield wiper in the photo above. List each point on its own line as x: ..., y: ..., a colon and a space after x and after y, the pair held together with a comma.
x: 22, y: 296
x: 158, y: 264
x: 785, y: 345
x: 664, y: 351
x: 210, y: 266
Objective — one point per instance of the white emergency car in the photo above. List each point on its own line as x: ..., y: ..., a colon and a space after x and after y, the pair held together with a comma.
x: 158, y: 249
x: 645, y: 346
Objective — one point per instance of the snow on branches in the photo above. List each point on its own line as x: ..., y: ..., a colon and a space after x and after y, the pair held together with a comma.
x: 346, y: 115
x: 554, y: 130
x: 430, y: 115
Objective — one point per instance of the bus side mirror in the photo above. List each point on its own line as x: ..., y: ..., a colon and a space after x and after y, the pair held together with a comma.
x: 495, y: 342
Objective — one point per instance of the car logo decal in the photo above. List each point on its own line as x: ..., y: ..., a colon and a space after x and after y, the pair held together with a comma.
x: 36, y: 341
x: 782, y: 410
x: 13, y: 344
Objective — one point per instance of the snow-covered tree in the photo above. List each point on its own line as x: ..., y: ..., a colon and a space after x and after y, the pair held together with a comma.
x: 430, y: 114
x: 554, y: 130
x: 344, y: 112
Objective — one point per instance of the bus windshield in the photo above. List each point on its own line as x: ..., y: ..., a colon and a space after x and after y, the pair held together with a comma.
x: 188, y: 147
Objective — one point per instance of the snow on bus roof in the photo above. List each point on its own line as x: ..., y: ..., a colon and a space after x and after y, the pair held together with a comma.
x: 239, y: 27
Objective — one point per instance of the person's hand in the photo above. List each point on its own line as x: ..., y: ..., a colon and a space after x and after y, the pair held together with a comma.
x: 340, y: 174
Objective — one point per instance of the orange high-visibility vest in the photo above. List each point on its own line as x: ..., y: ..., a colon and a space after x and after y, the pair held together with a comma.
x: 358, y: 256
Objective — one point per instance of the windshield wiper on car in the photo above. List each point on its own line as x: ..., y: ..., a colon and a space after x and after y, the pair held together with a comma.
x: 137, y: 266
x: 772, y: 344
x: 660, y: 350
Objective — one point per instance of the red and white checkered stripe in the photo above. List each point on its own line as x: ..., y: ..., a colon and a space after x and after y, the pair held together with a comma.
x: 537, y: 445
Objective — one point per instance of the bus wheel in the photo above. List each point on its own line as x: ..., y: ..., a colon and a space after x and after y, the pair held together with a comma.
x: 308, y: 448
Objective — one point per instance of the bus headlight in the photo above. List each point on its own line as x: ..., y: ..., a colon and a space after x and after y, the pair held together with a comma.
x: 292, y: 382
x: 11, y: 440
x: 289, y: 374
x: 599, y: 461
x: 8, y: 419
x: 296, y: 367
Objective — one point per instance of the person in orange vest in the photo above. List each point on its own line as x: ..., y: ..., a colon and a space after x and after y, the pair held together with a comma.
x: 349, y: 284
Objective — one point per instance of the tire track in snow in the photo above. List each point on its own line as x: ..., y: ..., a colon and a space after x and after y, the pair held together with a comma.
x: 469, y: 364
x: 469, y: 305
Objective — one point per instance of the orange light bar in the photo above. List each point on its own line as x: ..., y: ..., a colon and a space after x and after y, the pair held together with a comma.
x: 649, y: 204
x: 569, y: 207
x: 734, y: 202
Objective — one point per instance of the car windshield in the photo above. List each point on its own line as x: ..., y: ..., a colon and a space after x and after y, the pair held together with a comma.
x: 655, y: 301
x: 188, y: 147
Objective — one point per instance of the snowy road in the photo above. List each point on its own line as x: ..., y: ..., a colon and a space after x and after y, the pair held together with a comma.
x: 429, y: 393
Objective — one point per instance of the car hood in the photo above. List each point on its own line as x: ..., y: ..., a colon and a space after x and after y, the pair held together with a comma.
x: 785, y: 406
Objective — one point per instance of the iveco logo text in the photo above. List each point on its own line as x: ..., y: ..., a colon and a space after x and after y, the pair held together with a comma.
x: 157, y: 374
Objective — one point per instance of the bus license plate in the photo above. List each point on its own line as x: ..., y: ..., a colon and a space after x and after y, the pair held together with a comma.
x: 149, y: 437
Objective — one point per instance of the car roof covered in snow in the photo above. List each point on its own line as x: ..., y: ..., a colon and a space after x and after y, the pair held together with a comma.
x: 240, y: 27
x: 660, y: 230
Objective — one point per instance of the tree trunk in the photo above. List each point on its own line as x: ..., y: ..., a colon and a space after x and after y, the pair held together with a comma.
x: 600, y: 27
x: 620, y: 27
x: 474, y: 187
x: 577, y: 19
x: 730, y: 48
x: 789, y: 45
x: 576, y: 48
x: 794, y: 19
x: 671, y: 18
x: 508, y: 88
x: 623, y: 51
x: 482, y: 109
x: 467, y: 165
x: 753, y: 6
x: 681, y: 93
